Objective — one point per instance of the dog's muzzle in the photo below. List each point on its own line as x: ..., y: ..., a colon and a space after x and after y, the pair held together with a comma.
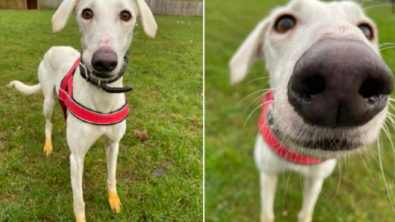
x: 92, y: 77
x: 339, y: 84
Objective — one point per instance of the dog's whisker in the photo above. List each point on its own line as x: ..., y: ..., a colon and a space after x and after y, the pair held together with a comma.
x: 338, y: 185
x: 391, y: 106
x: 384, y: 45
x: 389, y: 47
x: 383, y: 176
x: 259, y: 98
x: 368, y: 170
x: 387, y: 132
x: 387, y: 44
x: 260, y: 78
x: 262, y: 90
x: 249, y: 116
x: 286, y: 188
x: 255, y: 101
x: 390, y: 117
x: 377, y: 6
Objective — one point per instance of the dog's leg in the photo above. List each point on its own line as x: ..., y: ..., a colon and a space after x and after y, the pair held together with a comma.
x: 311, y: 191
x: 111, y: 155
x: 268, y: 190
x: 79, y: 142
x: 49, y: 103
x: 47, y: 83
x: 76, y: 170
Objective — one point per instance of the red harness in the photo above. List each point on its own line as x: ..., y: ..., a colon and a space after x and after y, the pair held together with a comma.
x: 272, y: 140
x: 67, y: 102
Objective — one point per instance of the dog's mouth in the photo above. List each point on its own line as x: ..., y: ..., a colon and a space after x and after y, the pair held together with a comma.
x: 327, y: 144
x: 102, y: 75
x: 333, y: 143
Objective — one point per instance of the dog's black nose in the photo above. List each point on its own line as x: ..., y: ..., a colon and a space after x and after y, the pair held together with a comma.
x: 339, y: 84
x: 104, y: 60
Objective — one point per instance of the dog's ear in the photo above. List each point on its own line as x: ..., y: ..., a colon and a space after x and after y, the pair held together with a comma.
x: 147, y: 18
x: 61, y: 16
x: 248, y: 52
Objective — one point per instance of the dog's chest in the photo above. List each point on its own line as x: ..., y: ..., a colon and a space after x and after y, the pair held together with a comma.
x: 87, y: 104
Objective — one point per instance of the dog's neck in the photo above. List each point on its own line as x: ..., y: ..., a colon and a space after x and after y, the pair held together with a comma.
x: 99, y: 95
x: 95, y: 98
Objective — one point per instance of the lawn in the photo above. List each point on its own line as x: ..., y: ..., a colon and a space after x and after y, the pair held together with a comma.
x: 158, y: 180
x: 354, y: 193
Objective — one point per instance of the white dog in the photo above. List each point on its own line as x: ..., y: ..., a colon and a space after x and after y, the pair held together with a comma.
x: 94, y: 95
x: 328, y: 96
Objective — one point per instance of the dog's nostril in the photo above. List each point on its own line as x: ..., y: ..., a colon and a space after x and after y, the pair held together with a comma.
x: 99, y: 66
x: 113, y: 65
x: 308, y: 87
x: 371, y: 88
x: 315, y: 85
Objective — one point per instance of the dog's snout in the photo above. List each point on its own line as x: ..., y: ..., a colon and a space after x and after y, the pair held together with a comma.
x: 339, y: 84
x: 105, y: 60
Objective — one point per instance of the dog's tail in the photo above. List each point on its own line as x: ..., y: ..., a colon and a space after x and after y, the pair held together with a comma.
x: 25, y: 89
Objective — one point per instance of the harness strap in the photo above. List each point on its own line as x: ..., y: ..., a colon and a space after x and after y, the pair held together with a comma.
x: 67, y: 102
x: 273, y: 142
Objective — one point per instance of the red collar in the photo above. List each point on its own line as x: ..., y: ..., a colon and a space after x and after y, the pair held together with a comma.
x: 67, y: 102
x: 273, y: 141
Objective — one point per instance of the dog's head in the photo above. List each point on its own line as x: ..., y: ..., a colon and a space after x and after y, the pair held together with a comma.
x: 107, y: 30
x: 329, y: 82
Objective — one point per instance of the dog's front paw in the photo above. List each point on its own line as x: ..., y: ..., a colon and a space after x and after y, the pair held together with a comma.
x: 305, y: 217
x: 48, y: 146
x: 80, y: 220
x: 267, y: 217
x: 113, y: 200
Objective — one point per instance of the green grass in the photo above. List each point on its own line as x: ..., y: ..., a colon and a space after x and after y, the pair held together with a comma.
x: 166, y: 74
x: 232, y: 183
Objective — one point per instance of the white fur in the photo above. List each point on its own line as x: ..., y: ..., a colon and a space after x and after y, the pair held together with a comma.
x: 105, y: 29
x: 25, y: 89
x: 317, y: 21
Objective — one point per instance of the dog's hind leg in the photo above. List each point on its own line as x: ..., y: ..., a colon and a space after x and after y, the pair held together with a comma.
x: 48, y: 87
x: 111, y: 155
x: 49, y: 103
x: 311, y: 191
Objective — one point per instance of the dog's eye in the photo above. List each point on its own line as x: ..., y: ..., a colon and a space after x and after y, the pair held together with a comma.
x: 87, y: 14
x: 125, y: 15
x: 366, y: 30
x: 284, y: 23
